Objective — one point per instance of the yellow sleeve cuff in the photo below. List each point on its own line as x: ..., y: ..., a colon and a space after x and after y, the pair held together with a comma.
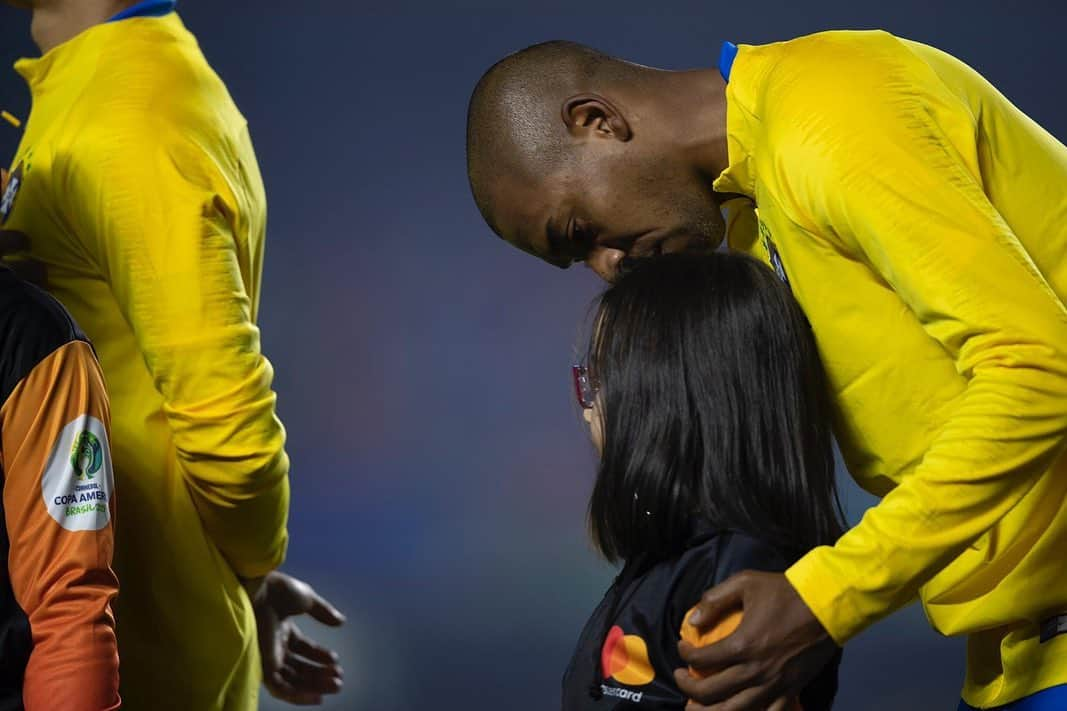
x: 826, y: 593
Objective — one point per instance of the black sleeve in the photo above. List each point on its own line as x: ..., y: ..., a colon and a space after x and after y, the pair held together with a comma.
x: 32, y: 325
x: 712, y: 563
x: 732, y: 553
x: 738, y: 551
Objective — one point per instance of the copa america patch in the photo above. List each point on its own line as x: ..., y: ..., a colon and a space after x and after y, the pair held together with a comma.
x: 772, y: 252
x: 11, y: 191
x: 78, y: 479
x: 1052, y: 627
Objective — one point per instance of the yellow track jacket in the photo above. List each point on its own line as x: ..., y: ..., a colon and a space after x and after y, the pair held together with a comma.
x: 139, y: 190
x: 921, y: 220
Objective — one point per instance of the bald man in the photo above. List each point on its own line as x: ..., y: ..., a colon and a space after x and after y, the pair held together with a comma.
x: 921, y: 221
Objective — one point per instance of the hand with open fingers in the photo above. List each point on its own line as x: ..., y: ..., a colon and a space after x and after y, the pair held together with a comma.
x: 295, y: 669
x: 779, y: 647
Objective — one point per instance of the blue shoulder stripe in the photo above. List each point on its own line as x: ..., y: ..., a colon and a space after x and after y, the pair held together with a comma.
x: 146, y: 8
x: 726, y: 59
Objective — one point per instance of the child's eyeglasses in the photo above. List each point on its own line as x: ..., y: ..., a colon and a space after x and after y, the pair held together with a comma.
x: 585, y: 389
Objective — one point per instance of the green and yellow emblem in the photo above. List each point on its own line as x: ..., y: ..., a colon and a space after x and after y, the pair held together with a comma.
x: 86, y: 456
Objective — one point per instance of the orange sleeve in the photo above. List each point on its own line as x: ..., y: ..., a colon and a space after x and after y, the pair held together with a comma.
x: 58, y: 506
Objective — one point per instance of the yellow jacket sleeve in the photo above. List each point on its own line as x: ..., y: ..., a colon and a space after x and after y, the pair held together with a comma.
x: 154, y: 210
x: 882, y: 176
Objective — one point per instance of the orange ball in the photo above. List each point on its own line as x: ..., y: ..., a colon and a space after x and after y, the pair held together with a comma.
x: 721, y: 631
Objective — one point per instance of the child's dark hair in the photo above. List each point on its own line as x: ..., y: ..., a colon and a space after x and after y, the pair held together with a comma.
x: 714, y: 405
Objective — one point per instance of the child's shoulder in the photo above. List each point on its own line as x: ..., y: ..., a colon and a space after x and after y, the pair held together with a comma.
x: 740, y: 551
x: 712, y: 556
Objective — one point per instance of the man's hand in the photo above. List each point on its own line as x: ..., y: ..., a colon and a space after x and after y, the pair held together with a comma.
x: 295, y: 669
x: 779, y: 647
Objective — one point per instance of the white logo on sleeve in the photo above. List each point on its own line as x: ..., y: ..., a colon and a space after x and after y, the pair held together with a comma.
x: 77, y: 480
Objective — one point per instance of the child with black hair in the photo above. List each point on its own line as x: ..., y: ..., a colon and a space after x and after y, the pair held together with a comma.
x: 708, y: 405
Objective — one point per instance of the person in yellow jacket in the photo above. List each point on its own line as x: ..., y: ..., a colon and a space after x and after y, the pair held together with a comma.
x: 137, y: 188
x: 921, y: 221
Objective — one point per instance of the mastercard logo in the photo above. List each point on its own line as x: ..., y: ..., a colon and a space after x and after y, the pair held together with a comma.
x: 625, y: 658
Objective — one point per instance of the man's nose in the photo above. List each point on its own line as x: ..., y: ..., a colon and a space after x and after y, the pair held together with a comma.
x: 605, y: 261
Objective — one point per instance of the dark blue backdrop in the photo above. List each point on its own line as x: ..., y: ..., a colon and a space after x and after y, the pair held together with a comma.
x: 439, y: 470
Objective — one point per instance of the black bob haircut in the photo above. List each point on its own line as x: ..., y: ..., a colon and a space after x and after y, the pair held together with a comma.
x: 714, y: 404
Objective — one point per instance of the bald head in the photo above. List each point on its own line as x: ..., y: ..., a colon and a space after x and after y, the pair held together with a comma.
x: 574, y: 156
x: 514, y: 125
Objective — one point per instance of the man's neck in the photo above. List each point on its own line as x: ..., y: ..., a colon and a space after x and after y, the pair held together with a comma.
x: 694, y: 102
x: 56, y: 21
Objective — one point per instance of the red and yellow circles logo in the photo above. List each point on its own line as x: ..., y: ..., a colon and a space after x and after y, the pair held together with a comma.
x: 625, y: 657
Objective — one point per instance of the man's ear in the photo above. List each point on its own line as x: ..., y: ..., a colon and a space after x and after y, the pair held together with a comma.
x: 595, y: 116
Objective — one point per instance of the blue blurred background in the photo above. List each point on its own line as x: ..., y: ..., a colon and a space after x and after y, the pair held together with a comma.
x: 440, y: 472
